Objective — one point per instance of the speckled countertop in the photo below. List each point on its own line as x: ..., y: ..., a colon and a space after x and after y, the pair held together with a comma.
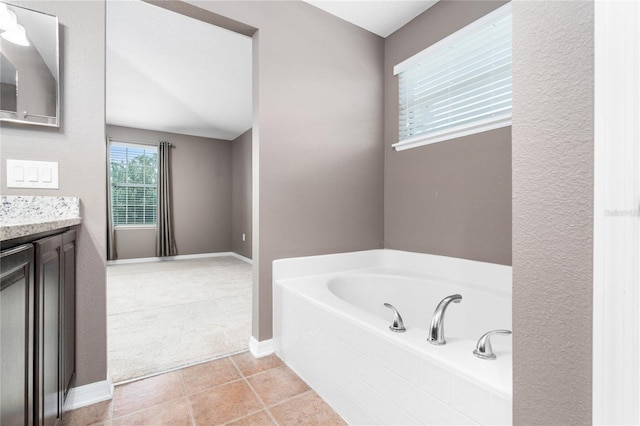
x: 28, y: 215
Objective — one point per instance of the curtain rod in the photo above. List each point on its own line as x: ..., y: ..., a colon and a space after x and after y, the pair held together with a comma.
x: 111, y: 139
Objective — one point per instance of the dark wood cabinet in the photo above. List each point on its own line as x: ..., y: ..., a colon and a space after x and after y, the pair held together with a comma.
x: 17, y: 317
x: 68, y: 317
x: 45, y: 283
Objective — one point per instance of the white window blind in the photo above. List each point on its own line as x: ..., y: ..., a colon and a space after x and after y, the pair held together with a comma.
x: 458, y: 86
x: 134, y: 183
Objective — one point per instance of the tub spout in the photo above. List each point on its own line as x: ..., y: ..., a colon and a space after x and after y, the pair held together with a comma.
x: 436, y: 329
x: 397, y: 325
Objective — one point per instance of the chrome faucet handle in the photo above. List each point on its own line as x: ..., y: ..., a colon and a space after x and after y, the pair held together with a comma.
x: 483, y: 348
x: 397, y: 325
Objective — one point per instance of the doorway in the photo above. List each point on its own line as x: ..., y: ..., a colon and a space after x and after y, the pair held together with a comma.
x: 177, y: 79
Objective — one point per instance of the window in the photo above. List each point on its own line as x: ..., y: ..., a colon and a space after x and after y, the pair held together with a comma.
x: 458, y: 86
x: 134, y: 184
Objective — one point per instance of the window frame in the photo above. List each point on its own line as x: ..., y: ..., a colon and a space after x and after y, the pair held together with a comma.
x: 502, y: 120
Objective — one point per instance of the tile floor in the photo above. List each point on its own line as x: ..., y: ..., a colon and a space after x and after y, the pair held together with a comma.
x: 238, y: 390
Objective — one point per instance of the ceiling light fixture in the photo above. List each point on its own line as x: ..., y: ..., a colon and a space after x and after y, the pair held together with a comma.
x: 16, y: 35
x: 11, y: 30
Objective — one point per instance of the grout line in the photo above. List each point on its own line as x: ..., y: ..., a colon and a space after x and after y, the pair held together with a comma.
x: 290, y: 398
x: 113, y: 403
x: 187, y: 399
x: 264, y: 406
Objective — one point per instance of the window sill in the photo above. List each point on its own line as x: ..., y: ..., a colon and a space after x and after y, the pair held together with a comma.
x: 452, y: 133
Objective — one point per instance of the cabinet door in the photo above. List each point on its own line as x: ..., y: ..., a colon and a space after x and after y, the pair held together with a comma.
x: 47, y: 373
x: 68, y: 316
x: 16, y: 336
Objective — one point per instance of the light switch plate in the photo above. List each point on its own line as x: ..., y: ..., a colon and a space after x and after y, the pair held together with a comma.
x: 32, y: 174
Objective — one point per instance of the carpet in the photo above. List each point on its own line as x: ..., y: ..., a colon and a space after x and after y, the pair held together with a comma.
x: 169, y: 314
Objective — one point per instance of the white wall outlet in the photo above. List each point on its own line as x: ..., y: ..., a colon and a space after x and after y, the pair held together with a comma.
x: 32, y: 174
x: 244, y: 237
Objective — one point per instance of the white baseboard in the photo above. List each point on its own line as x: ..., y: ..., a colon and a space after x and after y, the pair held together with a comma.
x: 262, y: 348
x: 178, y: 257
x: 241, y: 257
x: 92, y: 393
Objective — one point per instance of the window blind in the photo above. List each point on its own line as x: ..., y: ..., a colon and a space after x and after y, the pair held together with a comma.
x: 458, y: 86
x: 134, y: 184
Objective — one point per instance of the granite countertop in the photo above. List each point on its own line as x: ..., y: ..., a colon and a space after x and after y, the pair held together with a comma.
x: 28, y: 215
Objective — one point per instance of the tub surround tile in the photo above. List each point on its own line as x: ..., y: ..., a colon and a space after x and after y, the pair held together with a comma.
x: 28, y: 215
x: 471, y: 399
x: 436, y: 381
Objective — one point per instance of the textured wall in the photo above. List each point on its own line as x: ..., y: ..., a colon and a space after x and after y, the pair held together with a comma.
x: 201, y: 188
x: 241, y: 204
x: 318, y: 136
x: 79, y: 148
x: 451, y: 198
x: 552, y: 211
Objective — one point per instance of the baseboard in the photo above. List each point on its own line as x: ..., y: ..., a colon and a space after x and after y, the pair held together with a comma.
x: 92, y: 393
x: 262, y: 348
x: 177, y: 257
x: 241, y: 257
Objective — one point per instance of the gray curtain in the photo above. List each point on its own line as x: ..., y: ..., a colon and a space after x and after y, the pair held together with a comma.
x: 165, y: 244
x: 111, y: 236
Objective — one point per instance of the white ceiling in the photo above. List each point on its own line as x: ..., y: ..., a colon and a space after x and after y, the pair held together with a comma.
x: 171, y: 73
x: 381, y: 17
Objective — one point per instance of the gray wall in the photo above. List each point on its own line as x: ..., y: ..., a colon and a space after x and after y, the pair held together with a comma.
x: 79, y: 148
x: 319, y: 88
x: 201, y: 188
x: 317, y: 137
x: 553, y: 148
x: 450, y: 198
x: 241, y: 204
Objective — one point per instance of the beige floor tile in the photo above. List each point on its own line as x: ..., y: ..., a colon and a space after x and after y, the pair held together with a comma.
x: 224, y: 403
x: 174, y: 413
x: 258, y: 419
x: 307, y: 409
x: 91, y: 414
x: 250, y: 365
x: 142, y: 394
x: 276, y: 385
x: 209, y: 374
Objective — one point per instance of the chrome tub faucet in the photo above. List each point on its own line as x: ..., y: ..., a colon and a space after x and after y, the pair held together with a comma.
x: 436, y: 329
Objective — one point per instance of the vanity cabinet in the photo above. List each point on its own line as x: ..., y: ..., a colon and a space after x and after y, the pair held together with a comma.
x: 17, y: 317
x: 38, y: 303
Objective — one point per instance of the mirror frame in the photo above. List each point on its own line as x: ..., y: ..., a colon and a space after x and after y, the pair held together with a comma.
x: 25, y: 120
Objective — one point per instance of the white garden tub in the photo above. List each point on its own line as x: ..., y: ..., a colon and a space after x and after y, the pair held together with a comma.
x: 330, y: 327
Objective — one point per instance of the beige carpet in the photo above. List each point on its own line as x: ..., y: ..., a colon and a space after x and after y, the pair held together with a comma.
x: 168, y: 314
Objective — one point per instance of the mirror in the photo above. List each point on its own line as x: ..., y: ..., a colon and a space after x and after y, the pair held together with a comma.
x: 29, y: 71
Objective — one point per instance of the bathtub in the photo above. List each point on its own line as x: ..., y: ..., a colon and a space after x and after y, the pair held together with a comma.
x: 331, y: 328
